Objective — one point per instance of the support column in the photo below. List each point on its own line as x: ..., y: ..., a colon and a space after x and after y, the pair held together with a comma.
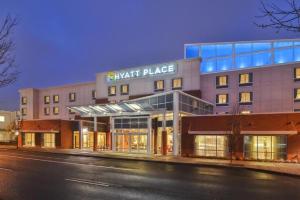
x: 112, y: 130
x: 149, y: 136
x: 95, y: 133
x: 80, y: 134
x: 175, y: 123
x: 164, y: 136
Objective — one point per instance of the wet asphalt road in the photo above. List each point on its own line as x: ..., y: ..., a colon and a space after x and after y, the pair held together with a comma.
x: 42, y: 176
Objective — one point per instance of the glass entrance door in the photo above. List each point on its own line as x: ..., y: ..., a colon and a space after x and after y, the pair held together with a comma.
x: 101, y: 140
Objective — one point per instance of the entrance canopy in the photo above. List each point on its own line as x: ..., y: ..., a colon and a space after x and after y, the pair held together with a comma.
x: 156, y: 103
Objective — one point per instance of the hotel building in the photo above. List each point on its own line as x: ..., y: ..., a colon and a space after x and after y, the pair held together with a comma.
x: 240, y: 97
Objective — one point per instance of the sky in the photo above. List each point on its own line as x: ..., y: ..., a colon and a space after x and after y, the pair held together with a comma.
x: 68, y: 41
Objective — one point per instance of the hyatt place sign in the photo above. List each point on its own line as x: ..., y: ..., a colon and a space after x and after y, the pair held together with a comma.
x: 143, y: 72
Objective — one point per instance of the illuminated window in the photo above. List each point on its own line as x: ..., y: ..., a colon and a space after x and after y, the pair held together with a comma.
x: 49, y: 140
x: 72, y: 97
x: 55, y: 98
x: 47, y: 111
x: 94, y: 94
x: 2, y: 119
x: 24, y: 100
x: 71, y: 111
x: 177, y: 83
x: 124, y: 89
x: 159, y: 85
x: 24, y: 111
x: 211, y: 146
x: 29, y: 140
x: 297, y: 94
x: 245, y: 79
x: 297, y: 74
x: 55, y: 110
x: 222, y: 99
x: 222, y: 81
x: 245, y: 98
x: 46, y: 99
x: 112, y: 91
x: 244, y: 112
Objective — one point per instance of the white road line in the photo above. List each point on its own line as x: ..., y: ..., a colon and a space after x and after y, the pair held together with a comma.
x: 68, y: 163
x: 5, y: 169
x: 89, y: 182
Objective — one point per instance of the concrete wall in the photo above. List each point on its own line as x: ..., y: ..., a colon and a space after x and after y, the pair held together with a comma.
x: 273, y: 89
x: 35, y: 100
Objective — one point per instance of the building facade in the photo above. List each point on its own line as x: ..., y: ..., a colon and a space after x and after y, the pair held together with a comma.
x: 7, y: 126
x: 152, y: 109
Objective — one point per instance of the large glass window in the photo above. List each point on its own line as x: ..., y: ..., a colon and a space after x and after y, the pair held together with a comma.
x: 159, y: 85
x: 29, y: 140
x: 112, y: 90
x: 245, y: 97
x: 222, y: 99
x: 222, y: 81
x: 265, y: 147
x: 211, y: 146
x: 49, y: 140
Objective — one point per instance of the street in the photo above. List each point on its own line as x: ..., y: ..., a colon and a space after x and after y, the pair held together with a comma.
x: 31, y: 175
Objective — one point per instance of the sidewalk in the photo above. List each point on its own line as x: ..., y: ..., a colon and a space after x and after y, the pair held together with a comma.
x: 277, y: 167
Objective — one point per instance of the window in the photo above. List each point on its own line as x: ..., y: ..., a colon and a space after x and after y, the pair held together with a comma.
x: 244, y: 112
x: 29, y: 140
x: 211, y: 146
x: 55, y: 98
x: 112, y: 91
x: 222, y: 81
x: 297, y: 74
x: 177, y: 83
x: 24, y: 100
x: 49, y: 140
x: 297, y: 94
x: 55, y: 110
x: 46, y: 99
x: 72, y: 97
x: 94, y: 94
x: 245, y: 79
x: 2, y: 119
x: 46, y: 111
x: 159, y: 85
x: 124, y: 89
x: 245, y: 98
x: 24, y: 111
x: 222, y: 99
x: 71, y: 111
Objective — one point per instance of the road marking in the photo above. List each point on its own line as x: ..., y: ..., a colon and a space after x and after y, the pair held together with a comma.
x: 68, y: 163
x: 6, y: 169
x: 89, y: 182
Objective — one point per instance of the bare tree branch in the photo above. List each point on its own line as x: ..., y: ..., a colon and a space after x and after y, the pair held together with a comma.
x: 8, y: 71
x: 281, y: 18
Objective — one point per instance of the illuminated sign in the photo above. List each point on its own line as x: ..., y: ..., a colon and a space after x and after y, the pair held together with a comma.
x: 142, y: 72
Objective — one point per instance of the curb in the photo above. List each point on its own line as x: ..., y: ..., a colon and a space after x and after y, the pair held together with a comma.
x: 203, y: 164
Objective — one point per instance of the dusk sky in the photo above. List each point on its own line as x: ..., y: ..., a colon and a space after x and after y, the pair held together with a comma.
x: 68, y: 41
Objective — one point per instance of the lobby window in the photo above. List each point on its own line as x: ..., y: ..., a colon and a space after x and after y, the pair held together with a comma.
x: 24, y: 111
x: 222, y: 81
x: 55, y: 110
x: 112, y: 91
x: 46, y: 99
x: 49, y: 140
x: 245, y: 79
x: 297, y: 74
x: 55, y: 99
x: 72, y: 97
x: 94, y: 94
x: 245, y: 112
x: 2, y: 118
x: 29, y: 140
x: 177, y: 83
x: 211, y: 146
x: 222, y: 99
x: 46, y: 111
x: 159, y: 85
x: 245, y: 98
x: 124, y: 89
x: 297, y: 94
x: 23, y: 100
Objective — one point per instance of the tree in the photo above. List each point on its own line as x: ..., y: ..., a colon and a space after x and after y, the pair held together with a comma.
x: 8, y: 71
x: 235, y: 129
x: 287, y: 18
